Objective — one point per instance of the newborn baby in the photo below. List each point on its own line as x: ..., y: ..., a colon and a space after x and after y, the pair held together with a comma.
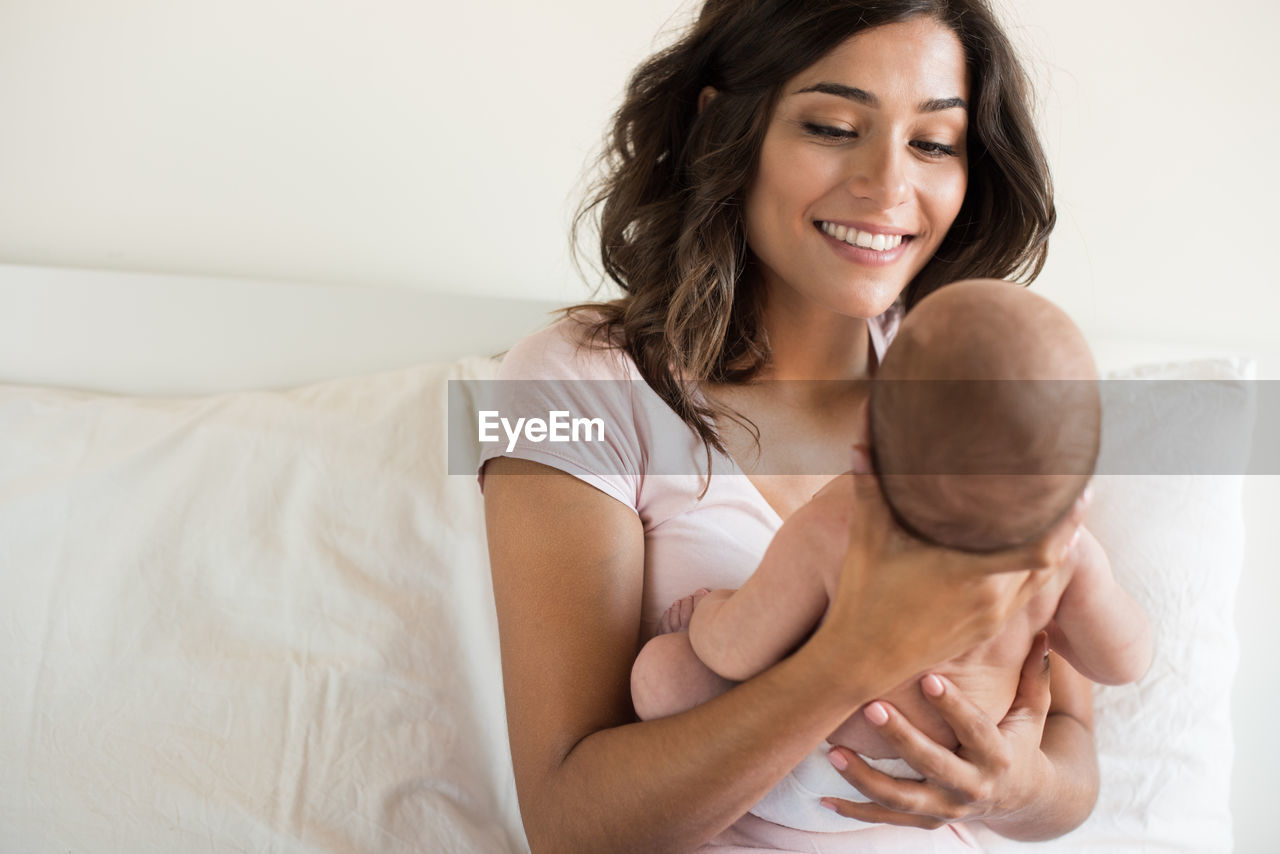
x: 983, y: 425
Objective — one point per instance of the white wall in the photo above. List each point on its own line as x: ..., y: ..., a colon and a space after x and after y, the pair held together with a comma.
x: 423, y: 144
x: 1157, y: 115
x: 440, y: 146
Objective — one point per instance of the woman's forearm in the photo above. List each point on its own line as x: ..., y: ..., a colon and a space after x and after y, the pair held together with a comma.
x: 672, y: 784
x: 568, y: 606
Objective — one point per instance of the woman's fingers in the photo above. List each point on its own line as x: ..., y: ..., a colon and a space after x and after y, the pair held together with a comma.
x: 978, y: 735
x: 957, y: 783
x: 890, y: 793
x: 927, y: 757
x: 875, y: 813
x: 982, y: 741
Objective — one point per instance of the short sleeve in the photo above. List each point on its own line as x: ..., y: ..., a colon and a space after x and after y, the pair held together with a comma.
x: 567, y: 404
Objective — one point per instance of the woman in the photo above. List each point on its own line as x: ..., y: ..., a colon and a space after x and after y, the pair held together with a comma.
x: 785, y: 180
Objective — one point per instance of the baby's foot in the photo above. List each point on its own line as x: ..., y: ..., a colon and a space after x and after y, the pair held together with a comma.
x: 677, y: 617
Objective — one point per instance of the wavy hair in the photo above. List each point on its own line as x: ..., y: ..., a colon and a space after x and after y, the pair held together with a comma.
x: 669, y: 205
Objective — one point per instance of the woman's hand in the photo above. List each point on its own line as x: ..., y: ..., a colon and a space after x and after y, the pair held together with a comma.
x: 908, y: 605
x: 1031, y: 776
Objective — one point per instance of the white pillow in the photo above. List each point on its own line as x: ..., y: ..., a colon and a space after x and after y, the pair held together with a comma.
x: 1176, y: 542
x: 249, y: 622
x: 264, y: 621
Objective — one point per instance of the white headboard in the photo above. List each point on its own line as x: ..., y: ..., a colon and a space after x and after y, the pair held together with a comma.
x: 142, y: 333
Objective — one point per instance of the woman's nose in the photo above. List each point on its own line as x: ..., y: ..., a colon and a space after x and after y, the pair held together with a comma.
x: 879, y: 174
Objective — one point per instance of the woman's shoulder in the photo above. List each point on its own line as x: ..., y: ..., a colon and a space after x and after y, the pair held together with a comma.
x: 571, y: 348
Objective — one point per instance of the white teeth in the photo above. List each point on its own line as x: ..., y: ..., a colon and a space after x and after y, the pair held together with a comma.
x: 863, y: 239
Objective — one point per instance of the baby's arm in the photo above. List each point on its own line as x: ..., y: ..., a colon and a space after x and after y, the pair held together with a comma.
x: 738, y: 633
x: 1098, y: 627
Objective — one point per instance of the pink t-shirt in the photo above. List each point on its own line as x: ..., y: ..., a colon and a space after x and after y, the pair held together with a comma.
x: 652, y: 462
x: 649, y: 460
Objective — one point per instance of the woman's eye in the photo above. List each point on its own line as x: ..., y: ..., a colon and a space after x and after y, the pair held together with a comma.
x: 935, y: 149
x: 828, y: 131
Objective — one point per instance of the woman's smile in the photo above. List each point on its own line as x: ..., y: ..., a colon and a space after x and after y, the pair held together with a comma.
x: 866, y: 244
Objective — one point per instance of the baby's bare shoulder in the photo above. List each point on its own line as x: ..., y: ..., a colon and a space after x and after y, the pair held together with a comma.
x: 827, y: 514
x: 816, y: 536
x: 834, y: 502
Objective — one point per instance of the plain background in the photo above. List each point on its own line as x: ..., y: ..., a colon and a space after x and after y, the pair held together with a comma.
x: 443, y: 147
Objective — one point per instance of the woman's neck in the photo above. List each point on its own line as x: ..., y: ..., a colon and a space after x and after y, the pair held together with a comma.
x: 809, y: 342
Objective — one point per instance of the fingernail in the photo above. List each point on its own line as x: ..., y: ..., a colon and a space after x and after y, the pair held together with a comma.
x: 836, y: 759
x: 828, y: 805
x: 932, y: 685
x: 877, y: 714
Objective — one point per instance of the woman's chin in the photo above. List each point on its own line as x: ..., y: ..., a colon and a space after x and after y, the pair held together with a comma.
x: 866, y: 305
x: 861, y: 299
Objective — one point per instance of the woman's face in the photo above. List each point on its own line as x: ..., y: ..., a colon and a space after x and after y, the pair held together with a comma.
x: 862, y: 170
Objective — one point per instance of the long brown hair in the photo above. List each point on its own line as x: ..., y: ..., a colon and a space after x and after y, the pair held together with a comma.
x: 669, y: 206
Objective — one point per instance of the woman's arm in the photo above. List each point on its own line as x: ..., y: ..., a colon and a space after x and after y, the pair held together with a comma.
x: 567, y: 564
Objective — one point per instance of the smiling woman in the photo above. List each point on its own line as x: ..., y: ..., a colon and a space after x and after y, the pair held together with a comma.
x: 782, y: 184
x: 393, y: 164
x: 671, y: 224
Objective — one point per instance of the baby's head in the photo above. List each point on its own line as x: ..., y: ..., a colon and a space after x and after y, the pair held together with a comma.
x: 985, y: 417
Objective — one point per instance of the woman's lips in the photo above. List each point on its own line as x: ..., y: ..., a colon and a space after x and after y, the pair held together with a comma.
x: 871, y: 248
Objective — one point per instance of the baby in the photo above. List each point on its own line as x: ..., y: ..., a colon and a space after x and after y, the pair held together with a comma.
x: 984, y: 425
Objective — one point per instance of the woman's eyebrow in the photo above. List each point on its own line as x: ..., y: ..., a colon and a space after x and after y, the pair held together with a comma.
x: 853, y: 93
x: 936, y: 105
x: 862, y: 96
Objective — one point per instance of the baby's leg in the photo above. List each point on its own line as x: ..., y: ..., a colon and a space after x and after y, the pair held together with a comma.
x: 667, y: 677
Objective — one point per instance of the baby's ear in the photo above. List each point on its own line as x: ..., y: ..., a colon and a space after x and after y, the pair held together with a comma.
x: 861, y: 460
